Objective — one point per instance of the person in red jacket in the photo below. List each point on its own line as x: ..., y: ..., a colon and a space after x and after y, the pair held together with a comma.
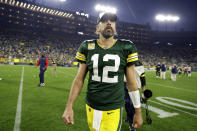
x: 43, y: 62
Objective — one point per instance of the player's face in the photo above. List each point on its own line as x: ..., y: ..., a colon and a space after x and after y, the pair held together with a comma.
x: 107, y: 28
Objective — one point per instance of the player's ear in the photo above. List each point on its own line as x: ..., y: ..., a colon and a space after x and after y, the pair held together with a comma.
x: 97, y: 29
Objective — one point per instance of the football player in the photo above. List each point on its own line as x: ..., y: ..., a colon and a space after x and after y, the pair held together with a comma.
x: 107, y: 60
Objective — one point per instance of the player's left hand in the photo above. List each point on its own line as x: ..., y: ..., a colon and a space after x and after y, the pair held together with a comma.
x: 137, y: 120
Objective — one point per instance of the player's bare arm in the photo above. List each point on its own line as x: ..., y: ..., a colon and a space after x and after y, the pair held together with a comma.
x: 68, y: 115
x: 135, y: 96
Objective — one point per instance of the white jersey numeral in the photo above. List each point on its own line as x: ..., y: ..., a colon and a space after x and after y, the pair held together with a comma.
x: 106, y: 69
x: 95, y: 76
x: 115, y: 68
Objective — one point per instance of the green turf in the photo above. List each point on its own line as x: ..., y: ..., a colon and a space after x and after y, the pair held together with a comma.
x: 42, y: 107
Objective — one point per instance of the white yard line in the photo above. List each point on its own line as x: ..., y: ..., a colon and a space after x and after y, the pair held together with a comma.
x: 19, y: 105
x: 192, y: 91
x: 174, y: 108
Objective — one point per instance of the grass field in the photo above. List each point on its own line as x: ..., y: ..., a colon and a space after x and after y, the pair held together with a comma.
x: 42, y: 107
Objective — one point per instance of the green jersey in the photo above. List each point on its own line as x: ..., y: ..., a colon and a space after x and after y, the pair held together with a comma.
x: 106, y: 72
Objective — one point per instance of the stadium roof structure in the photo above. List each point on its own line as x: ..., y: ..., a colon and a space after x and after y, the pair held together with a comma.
x: 37, y: 8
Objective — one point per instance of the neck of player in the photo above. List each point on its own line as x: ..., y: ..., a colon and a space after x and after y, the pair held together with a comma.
x: 106, y: 42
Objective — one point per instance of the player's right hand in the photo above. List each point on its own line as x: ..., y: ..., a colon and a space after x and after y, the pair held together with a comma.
x: 68, y: 116
x: 137, y: 120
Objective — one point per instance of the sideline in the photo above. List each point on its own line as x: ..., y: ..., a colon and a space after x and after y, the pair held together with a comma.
x: 19, y: 104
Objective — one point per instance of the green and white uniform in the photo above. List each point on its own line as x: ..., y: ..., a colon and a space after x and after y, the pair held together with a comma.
x: 106, y: 72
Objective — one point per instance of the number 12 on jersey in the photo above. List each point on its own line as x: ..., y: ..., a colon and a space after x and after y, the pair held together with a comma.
x: 106, y: 69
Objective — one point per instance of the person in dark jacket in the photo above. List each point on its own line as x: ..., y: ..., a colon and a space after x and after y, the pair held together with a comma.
x: 174, y: 72
x: 43, y: 63
x: 163, y: 71
x: 158, y: 70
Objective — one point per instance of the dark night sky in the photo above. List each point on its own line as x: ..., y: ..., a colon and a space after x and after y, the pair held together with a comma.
x: 140, y: 11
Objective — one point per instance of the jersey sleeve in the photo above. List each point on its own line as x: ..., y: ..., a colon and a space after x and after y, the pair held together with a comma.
x: 81, y: 54
x: 131, y: 53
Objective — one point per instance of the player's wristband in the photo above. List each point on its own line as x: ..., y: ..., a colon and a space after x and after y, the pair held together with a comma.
x: 135, y: 97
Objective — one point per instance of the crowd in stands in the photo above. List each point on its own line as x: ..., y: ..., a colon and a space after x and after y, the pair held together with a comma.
x: 28, y: 45
x: 181, y: 55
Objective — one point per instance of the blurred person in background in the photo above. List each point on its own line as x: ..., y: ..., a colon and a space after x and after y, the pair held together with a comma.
x: 189, y: 71
x: 185, y: 70
x: 158, y: 70
x: 163, y: 71
x: 43, y: 63
x: 180, y: 70
x: 173, y: 72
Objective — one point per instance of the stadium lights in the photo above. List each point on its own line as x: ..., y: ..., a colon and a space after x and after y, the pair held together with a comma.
x: 28, y: 6
x: 164, y: 18
x: 59, y: 13
x: 34, y: 7
x: 41, y: 9
x: 44, y: 9
x: 13, y: 2
x: 17, y: 3
x: 21, y: 4
x: 64, y: 14
x: 24, y: 5
x: 101, y: 8
x: 38, y: 8
x: 62, y: 0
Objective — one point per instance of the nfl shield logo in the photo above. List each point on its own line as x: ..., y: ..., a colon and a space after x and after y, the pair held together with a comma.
x: 91, y: 46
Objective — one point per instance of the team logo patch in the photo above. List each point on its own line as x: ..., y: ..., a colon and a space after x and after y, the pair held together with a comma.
x: 91, y: 46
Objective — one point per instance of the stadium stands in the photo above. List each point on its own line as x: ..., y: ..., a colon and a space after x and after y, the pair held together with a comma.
x: 28, y: 29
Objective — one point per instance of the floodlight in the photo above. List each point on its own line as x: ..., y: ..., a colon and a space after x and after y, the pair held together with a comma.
x: 62, y: 0
x: 175, y: 18
x: 168, y: 18
x: 160, y: 18
x: 102, y: 8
